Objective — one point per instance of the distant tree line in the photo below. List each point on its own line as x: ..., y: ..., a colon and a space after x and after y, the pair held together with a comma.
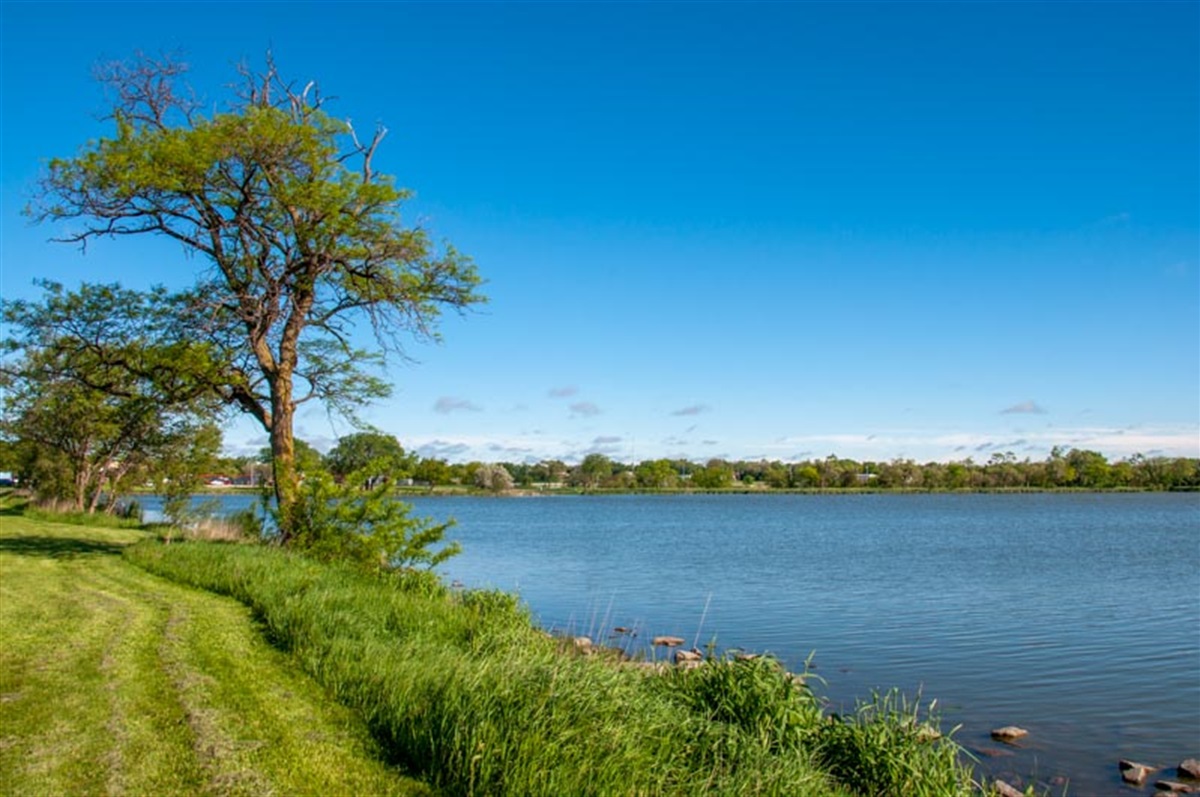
x: 1064, y: 468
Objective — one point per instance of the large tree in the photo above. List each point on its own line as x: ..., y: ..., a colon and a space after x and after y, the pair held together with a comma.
x: 86, y: 391
x: 377, y: 451
x: 299, y: 237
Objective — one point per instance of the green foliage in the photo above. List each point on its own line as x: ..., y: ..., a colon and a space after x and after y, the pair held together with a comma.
x: 370, y: 528
x: 355, y: 452
x: 299, y: 237
x: 887, y: 748
x: 757, y: 695
x: 715, y: 475
x: 84, y: 400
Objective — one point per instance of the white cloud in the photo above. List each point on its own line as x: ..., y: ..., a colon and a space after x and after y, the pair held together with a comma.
x: 448, y: 404
x: 584, y: 408
x: 1023, y: 408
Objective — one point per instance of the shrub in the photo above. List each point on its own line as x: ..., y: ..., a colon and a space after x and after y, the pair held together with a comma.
x: 366, y: 527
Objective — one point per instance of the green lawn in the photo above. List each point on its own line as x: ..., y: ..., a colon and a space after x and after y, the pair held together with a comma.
x: 114, y: 681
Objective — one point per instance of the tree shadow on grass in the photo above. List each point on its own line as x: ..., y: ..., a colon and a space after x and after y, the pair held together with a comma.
x: 58, y: 547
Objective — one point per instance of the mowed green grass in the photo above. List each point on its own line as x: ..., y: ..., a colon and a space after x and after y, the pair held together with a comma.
x: 114, y: 681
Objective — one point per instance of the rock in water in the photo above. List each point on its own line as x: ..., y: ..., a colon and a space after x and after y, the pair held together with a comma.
x: 1009, y: 733
x: 668, y: 641
x: 1190, y: 769
x: 1133, y: 772
x: 1005, y: 790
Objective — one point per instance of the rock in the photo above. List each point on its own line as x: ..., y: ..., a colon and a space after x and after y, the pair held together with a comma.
x: 1189, y: 769
x: 582, y: 643
x: 1005, y: 790
x: 1009, y: 733
x: 1133, y: 772
x: 621, y: 630
x: 746, y: 656
x: 993, y: 752
x: 688, y: 655
x: 668, y: 641
x: 1173, y: 787
x: 689, y: 664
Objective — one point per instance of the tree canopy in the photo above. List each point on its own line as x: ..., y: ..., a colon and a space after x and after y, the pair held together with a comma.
x: 300, y: 241
x: 92, y: 392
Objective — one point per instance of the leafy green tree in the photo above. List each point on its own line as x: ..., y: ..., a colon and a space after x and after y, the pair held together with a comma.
x: 341, y: 522
x: 1091, y: 468
x: 805, y: 475
x: 656, y: 474
x: 298, y: 236
x: 307, y: 459
x: 178, y: 470
x: 85, y: 442
x: 87, y: 388
x: 432, y: 471
x: 354, y: 452
x: 716, y: 475
x: 592, y: 471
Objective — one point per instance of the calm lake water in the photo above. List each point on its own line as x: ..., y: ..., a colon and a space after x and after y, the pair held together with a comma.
x: 1076, y: 617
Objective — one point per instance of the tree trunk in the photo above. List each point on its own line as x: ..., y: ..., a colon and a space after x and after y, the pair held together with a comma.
x: 82, y: 478
x: 283, y: 457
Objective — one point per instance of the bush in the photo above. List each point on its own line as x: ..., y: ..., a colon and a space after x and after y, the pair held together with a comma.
x: 366, y: 527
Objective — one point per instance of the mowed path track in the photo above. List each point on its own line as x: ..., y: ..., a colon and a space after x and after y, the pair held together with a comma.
x: 114, y: 681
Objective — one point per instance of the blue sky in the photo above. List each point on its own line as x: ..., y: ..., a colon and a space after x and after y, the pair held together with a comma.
x: 927, y: 230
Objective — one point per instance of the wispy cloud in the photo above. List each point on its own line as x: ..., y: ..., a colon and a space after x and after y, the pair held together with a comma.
x: 1024, y: 408
x: 695, y: 409
x: 562, y: 392
x: 441, y: 449
x: 605, y: 440
x: 448, y: 404
x: 584, y: 408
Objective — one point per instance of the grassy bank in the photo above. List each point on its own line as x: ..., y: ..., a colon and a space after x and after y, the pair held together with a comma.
x: 114, y: 681
x: 461, y: 689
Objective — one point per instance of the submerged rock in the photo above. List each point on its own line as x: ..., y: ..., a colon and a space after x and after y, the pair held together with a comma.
x: 1005, y: 790
x: 1009, y: 733
x: 1133, y: 772
x: 668, y: 641
x: 1172, y: 787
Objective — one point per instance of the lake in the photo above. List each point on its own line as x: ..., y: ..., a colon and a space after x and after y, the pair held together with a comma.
x: 1075, y: 616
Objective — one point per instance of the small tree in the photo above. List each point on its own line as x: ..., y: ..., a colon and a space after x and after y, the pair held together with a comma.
x: 301, y: 239
x: 340, y: 522
x: 493, y: 477
x: 85, y: 442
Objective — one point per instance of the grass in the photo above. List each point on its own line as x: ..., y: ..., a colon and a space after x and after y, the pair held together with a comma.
x: 317, y: 679
x: 114, y: 681
x: 461, y: 689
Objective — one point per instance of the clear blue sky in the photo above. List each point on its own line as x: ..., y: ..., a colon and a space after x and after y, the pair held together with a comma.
x: 931, y: 230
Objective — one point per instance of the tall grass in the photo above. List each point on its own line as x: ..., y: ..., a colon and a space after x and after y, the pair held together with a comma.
x: 461, y: 688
